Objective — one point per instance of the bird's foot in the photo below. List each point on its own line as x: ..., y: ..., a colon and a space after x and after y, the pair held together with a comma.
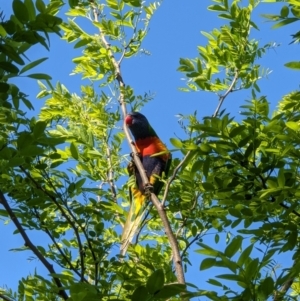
x: 148, y: 189
x: 135, y: 154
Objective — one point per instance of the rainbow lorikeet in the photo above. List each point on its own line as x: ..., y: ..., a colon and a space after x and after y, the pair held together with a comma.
x: 148, y: 144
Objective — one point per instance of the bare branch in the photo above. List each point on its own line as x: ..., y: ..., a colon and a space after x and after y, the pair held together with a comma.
x: 230, y: 89
x: 32, y: 247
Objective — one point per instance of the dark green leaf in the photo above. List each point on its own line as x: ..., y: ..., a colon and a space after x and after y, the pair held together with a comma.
x: 231, y: 277
x: 16, y: 161
x: 284, y: 12
x: 156, y: 281
x: 33, y: 64
x: 170, y: 290
x: 285, y: 22
x: 216, y: 8
x: 20, y: 11
x: 74, y: 151
x: 73, y: 3
x: 245, y: 255
x: 207, y: 263
x: 4, y: 87
x: 39, y: 128
x: 293, y: 65
x: 40, y: 76
x: 234, y: 246
x: 40, y: 6
x: 31, y: 9
x: 9, y: 67
x: 135, y: 3
x: 140, y: 294
x: 252, y: 269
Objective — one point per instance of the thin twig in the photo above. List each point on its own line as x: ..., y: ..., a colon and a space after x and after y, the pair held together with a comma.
x: 110, y: 174
x: 222, y: 97
x: 32, y: 247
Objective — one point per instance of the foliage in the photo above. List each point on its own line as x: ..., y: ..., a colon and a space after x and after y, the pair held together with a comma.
x: 63, y: 173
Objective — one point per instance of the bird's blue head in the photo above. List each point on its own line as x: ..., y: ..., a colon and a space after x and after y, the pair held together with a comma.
x: 139, y: 126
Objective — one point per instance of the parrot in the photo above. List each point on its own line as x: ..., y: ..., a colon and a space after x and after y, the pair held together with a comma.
x: 147, y: 144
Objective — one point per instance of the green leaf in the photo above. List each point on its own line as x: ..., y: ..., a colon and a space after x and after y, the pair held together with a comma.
x: 135, y: 3
x: 234, y: 246
x: 284, y: 12
x: 40, y: 76
x: 216, y: 8
x: 176, y: 142
x: 281, y: 178
x: 231, y: 277
x: 32, y: 64
x: 292, y: 125
x: 31, y: 9
x: 20, y: 11
x: 252, y: 269
x: 215, y: 282
x: 267, y: 286
x: 140, y: 294
x: 236, y: 131
x: 40, y: 6
x: 16, y: 161
x: 9, y: 67
x: 170, y: 290
x: 207, y: 250
x: 285, y: 22
x: 186, y: 65
x: 156, y: 281
x: 32, y: 150
x: 74, y: 151
x: 11, y: 53
x: 39, y: 128
x: 245, y: 255
x: 80, y: 183
x: 113, y: 4
x: 207, y: 263
x: 4, y: 87
x: 293, y: 65
x: 73, y: 3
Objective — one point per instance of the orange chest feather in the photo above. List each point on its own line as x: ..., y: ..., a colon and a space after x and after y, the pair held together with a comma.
x: 150, y: 146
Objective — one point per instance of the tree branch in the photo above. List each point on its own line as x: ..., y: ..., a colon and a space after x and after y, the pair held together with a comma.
x: 32, y: 247
x: 110, y: 174
x: 159, y: 207
x: 189, y: 153
x: 286, y: 286
x: 58, y: 247
x: 64, y: 214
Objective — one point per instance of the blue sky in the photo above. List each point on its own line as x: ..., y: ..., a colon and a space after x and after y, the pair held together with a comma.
x: 174, y: 33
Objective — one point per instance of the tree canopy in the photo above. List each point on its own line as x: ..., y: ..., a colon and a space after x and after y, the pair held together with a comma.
x: 64, y: 171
